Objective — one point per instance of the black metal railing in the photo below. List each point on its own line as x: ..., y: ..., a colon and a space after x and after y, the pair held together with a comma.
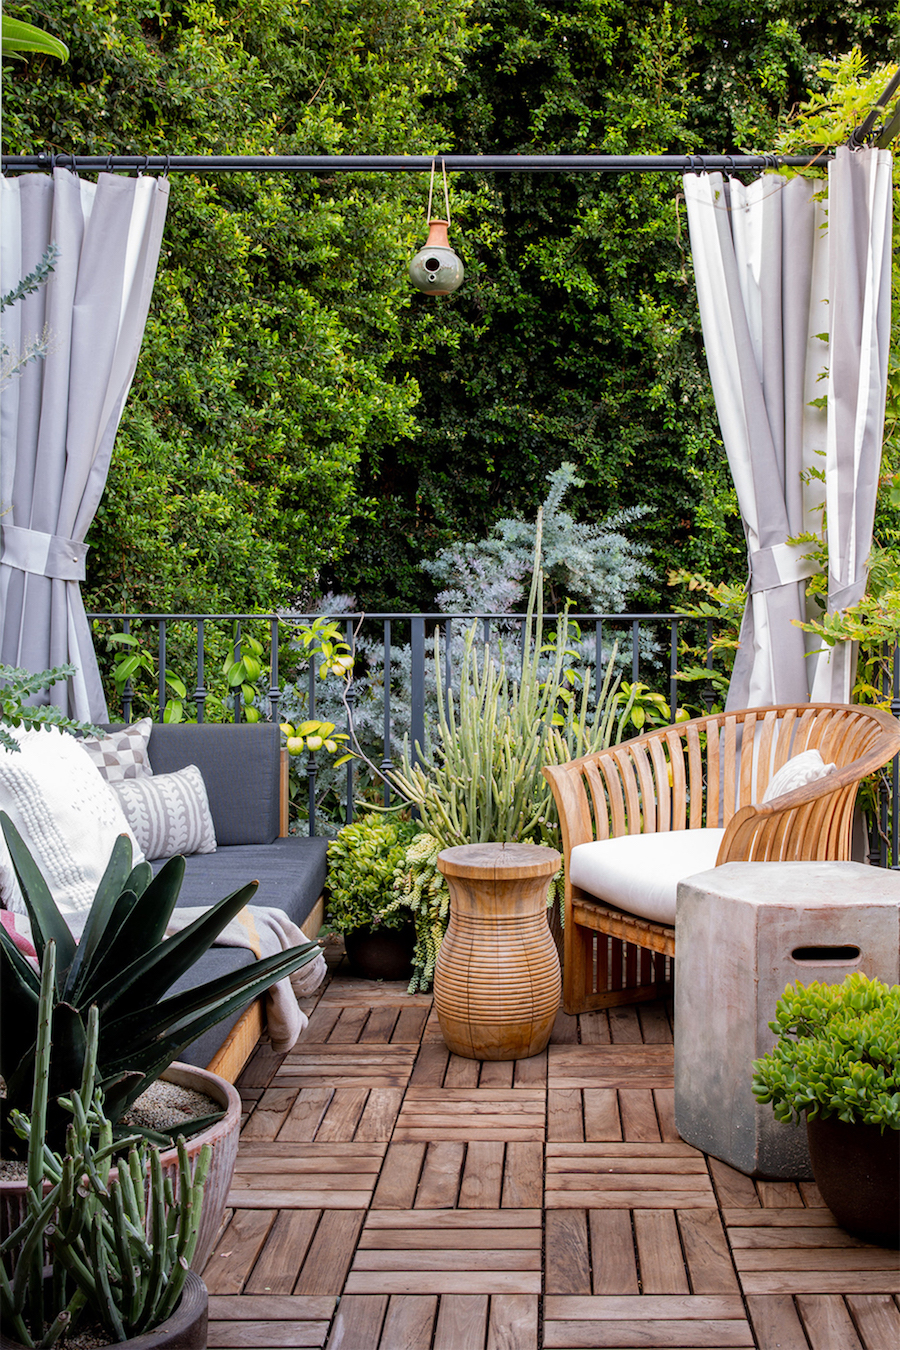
x: 649, y: 646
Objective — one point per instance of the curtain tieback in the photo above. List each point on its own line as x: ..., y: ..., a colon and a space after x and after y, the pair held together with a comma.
x: 48, y: 555
x: 779, y: 565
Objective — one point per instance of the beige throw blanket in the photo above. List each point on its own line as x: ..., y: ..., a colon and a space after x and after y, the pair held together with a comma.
x: 263, y: 930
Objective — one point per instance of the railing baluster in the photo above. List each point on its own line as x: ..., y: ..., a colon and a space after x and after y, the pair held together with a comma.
x: 673, y: 668
x: 236, y: 653
x: 635, y: 650
x: 200, y: 690
x: 386, y: 757
x: 417, y: 710
x: 351, y: 703
x: 274, y: 690
x: 311, y: 766
x: 895, y: 768
x: 128, y: 688
x: 161, y: 672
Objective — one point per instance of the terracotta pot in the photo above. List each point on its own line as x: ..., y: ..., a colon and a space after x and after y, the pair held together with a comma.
x: 223, y: 1136
x: 857, y: 1170
x: 184, y: 1330
x: 381, y: 953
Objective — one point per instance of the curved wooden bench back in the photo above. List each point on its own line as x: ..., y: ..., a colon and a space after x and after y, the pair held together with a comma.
x: 710, y: 770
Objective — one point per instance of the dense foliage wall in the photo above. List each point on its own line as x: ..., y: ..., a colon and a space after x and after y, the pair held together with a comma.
x: 300, y: 416
x: 576, y: 336
x: 264, y: 369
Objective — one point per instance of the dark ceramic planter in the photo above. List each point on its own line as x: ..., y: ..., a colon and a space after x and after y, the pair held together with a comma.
x: 857, y: 1170
x: 186, y: 1329
x: 381, y: 953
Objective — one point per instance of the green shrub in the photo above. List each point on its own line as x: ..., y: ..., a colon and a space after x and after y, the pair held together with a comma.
x: 838, y: 1053
x: 362, y: 860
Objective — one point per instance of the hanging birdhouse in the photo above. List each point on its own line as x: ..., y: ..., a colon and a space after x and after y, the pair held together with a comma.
x: 436, y: 269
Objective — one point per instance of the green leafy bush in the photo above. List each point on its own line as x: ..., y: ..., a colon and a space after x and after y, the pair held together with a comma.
x: 837, y: 1053
x: 362, y: 860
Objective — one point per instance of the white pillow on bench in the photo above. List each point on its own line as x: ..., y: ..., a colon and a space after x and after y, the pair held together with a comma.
x: 65, y: 811
x: 640, y: 872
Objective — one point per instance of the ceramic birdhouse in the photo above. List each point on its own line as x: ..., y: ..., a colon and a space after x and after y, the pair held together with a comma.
x: 436, y: 270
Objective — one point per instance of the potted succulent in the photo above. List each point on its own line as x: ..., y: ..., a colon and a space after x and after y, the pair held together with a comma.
x: 125, y: 965
x: 362, y: 860
x: 837, y: 1061
x: 100, y: 1245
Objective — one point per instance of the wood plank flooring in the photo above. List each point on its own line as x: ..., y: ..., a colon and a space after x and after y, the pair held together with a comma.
x: 392, y: 1196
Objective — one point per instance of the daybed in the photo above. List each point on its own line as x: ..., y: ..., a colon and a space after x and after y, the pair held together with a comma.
x: 70, y: 800
x: 244, y: 770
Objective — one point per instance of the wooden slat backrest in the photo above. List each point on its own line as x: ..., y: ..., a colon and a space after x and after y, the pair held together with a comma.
x: 657, y: 781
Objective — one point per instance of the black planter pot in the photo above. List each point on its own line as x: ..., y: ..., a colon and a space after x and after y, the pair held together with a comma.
x: 857, y: 1170
x: 381, y: 953
x: 186, y: 1329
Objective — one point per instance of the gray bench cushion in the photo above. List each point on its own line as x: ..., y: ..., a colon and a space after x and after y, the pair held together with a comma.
x: 217, y: 961
x: 240, y: 764
x: 290, y: 872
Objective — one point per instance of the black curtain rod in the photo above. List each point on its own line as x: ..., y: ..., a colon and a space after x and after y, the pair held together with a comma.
x: 329, y: 164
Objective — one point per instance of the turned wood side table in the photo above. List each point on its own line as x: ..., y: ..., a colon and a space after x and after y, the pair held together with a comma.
x: 497, y: 979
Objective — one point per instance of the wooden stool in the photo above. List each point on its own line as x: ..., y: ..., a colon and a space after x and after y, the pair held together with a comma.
x: 497, y: 981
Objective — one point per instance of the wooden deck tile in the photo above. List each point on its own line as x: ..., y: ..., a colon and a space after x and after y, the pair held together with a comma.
x: 236, y: 1250
x: 247, y: 1323
x: 358, y: 1322
x: 482, y: 1179
x: 878, y: 1320
x: 449, y: 1252
x: 523, y: 1176
x: 464, y: 1115
x: 789, y: 1251
x: 657, y: 1321
x: 462, y: 1322
x: 568, y: 1261
x: 617, y: 1066
x: 399, y: 1178
x: 281, y: 1259
x: 306, y: 1176
x: 613, y: 1257
x: 390, y: 1196
x: 410, y: 1322
x: 513, y: 1322
x: 330, y: 1253
x: 626, y: 1176
x: 329, y: 1065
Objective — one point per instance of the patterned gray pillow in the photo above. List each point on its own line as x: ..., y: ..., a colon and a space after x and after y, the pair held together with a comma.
x: 169, y: 813
x: 122, y: 754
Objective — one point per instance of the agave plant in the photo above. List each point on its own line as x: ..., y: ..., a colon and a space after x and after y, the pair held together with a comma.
x: 123, y: 965
x: 118, y: 1246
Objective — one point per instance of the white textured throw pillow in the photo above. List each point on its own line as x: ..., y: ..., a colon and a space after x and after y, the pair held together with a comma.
x: 169, y: 812
x: 122, y: 754
x: 805, y: 768
x: 65, y: 811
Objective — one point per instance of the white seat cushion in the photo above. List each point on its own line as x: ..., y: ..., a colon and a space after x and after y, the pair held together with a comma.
x: 640, y: 872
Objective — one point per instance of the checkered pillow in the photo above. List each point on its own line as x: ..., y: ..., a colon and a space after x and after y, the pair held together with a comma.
x: 122, y: 754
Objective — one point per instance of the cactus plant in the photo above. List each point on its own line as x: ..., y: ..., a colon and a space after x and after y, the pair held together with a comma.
x: 119, y: 1245
x: 123, y: 964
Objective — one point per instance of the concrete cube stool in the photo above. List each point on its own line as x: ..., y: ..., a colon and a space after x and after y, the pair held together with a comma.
x: 742, y: 932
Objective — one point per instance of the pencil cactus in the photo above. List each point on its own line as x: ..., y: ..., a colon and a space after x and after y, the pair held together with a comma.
x: 125, y: 965
x: 119, y: 1245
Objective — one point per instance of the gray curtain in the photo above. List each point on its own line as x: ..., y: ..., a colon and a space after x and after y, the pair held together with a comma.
x: 59, y: 415
x: 794, y: 295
